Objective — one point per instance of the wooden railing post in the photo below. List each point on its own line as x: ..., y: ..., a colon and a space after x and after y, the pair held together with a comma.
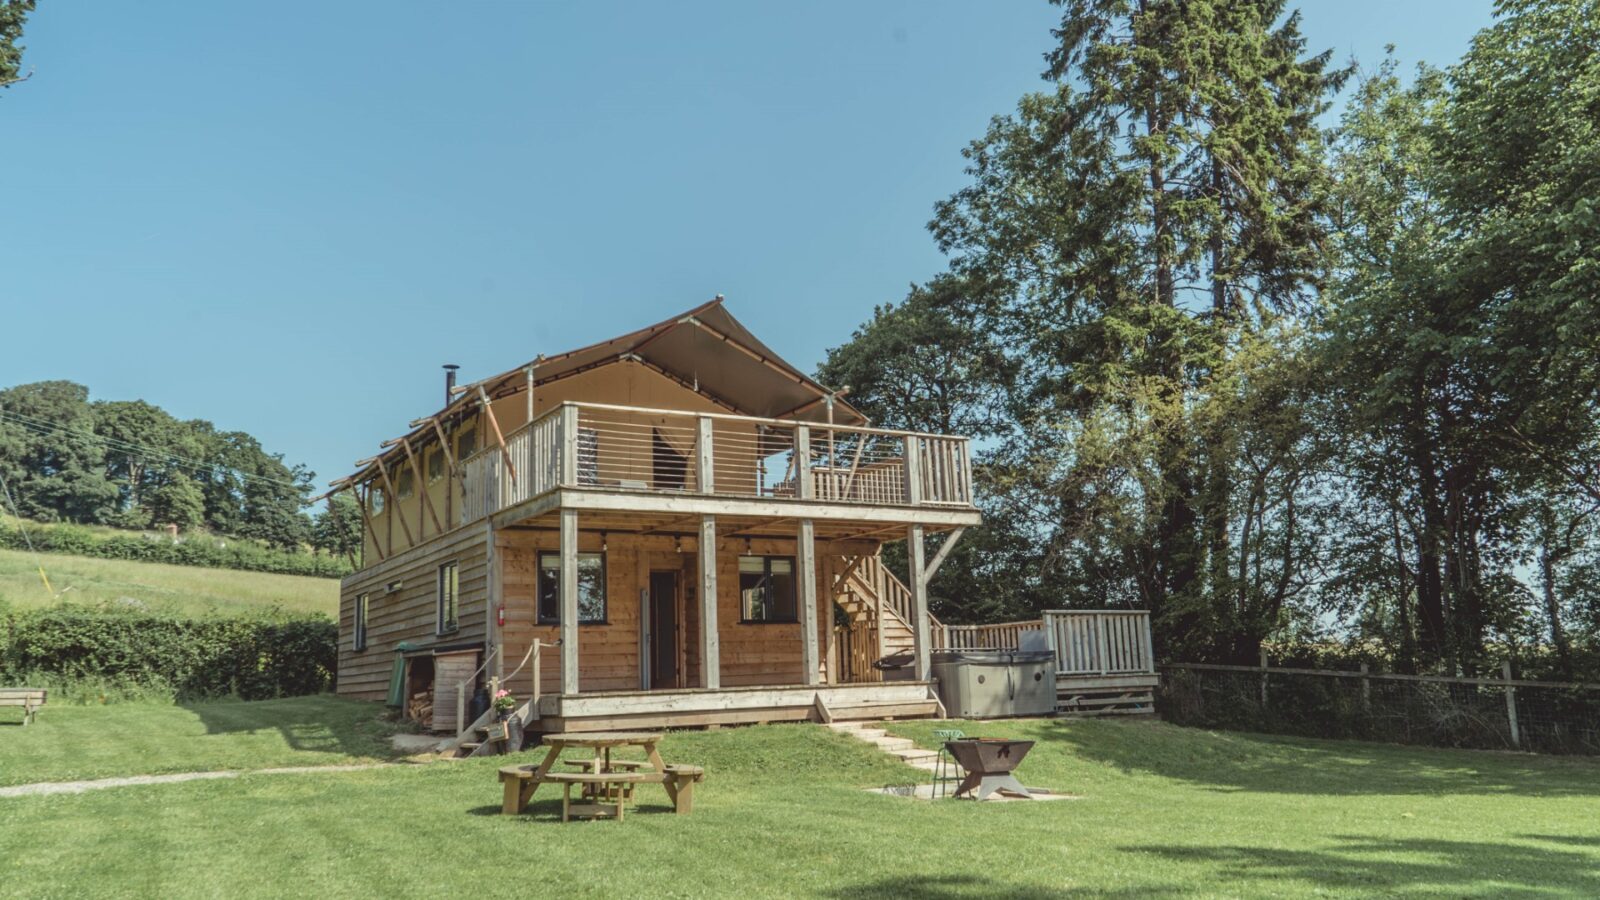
x: 704, y: 459
x: 913, y: 467
x: 802, y: 462
x: 569, y: 445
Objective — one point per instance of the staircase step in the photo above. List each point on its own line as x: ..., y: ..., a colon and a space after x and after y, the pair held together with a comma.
x: 893, y: 743
x: 914, y: 755
x: 871, y: 735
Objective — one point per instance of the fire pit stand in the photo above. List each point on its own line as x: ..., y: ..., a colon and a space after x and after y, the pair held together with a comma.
x: 989, y: 763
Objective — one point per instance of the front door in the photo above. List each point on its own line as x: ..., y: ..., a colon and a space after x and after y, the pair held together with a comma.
x: 663, y: 630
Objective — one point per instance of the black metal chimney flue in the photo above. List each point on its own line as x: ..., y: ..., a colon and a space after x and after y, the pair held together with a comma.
x: 450, y: 382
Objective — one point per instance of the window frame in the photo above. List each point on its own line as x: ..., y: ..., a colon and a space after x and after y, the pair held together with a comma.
x: 441, y: 627
x: 405, y: 484
x: 433, y: 465
x: 766, y: 566
x: 540, y: 580
x: 358, y: 635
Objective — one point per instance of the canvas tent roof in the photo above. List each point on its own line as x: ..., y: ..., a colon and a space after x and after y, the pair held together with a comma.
x: 705, y: 349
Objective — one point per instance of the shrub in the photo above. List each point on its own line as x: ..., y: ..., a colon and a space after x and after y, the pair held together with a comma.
x: 192, y: 551
x: 120, y: 653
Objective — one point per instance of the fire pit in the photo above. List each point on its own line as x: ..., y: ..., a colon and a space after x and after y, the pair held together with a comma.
x: 988, y: 763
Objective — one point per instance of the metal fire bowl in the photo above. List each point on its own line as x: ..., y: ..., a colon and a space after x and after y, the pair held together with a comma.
x: 988, y: 756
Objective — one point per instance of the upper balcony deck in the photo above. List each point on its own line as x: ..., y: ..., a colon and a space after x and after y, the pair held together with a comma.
x: 648, y: 454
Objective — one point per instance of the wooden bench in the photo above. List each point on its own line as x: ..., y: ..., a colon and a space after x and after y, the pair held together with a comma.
x: 30, y: 699
x: 623, y: 790
x: 607, y: 799
x: 519, y: 783
x: 679, y: 782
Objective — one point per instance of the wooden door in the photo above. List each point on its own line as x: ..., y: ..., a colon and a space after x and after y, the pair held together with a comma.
x: 663, y: 630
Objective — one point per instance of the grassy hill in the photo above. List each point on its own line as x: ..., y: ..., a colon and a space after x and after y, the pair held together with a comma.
x: 158, y: 586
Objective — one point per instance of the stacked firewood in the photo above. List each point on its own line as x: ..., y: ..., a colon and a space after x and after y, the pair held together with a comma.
x: 420, y: 707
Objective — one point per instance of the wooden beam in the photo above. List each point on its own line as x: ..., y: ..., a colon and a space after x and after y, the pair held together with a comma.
x: 806, y: 562
x: 710, y: 645
x: 422, y: 488
x: 361, y: 503
x: 568, y: 598
x: 394, y: 502
x: 449, y: 472
x: 944, y: 551
x: 921, y: 632
x: 505, y: 452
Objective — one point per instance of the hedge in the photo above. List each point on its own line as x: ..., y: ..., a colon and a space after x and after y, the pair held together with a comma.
x: 206, y: 552
x: 190, y: 658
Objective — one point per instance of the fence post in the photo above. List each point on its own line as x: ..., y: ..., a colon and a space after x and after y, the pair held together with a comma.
x: 1366, y: 689
x: 1511, y: 705
x: 1263, y: 679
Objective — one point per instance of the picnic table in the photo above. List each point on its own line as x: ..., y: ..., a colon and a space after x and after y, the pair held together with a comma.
x: 601, y: 778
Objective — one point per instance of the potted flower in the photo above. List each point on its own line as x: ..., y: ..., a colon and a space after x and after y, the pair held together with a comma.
x: 503, y: 703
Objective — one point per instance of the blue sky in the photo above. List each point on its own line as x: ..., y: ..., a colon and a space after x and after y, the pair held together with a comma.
x: 283, y: 218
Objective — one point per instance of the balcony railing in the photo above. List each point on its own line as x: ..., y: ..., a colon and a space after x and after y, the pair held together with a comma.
x: 623, y: 448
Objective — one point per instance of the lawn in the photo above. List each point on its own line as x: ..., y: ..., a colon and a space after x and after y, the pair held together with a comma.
x: 158, y: 586
x: 68, y: 743
x: 1164, y: 811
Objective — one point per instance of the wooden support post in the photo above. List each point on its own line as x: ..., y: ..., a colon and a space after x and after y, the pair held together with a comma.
x: 569, y: 445
x: 1511, y: 706
x: 913, y: 467
x: 1366, y: 688
x: 529, y: 390
x: 921, y: 631
x: 704, y: 460
x: 1263, y: 679
x: 944, y: 551
x: 422, y: 488
x: 568, y: 595
x: 802, y: 462
x: 449, y: 473
x: 710, y: 646
x: 806, y: 562
x: 505, y: 452
x: 392, y: 508
x: 362, y: 500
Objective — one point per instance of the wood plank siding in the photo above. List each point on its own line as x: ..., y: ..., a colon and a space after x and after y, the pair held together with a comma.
x: 409, y: 613
x: 609, y: 656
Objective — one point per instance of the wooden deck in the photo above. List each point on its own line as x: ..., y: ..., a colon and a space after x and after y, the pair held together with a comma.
x: 613, y: 710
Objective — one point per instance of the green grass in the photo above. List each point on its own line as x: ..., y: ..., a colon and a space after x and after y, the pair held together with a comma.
x: 67, y: 743
x: 1165, y: 811
x: 187, y: 590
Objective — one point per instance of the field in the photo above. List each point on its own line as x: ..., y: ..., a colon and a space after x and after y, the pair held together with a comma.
x: 1163, y: 811
x: 157, y: 586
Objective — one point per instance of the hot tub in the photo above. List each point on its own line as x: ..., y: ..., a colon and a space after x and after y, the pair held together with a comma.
x: 991, y: 684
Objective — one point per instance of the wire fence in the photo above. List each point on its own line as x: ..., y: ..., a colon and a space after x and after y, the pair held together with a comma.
x: 1439, y: 711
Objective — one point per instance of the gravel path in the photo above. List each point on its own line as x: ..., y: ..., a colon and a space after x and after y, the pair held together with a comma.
x: 78, y: 787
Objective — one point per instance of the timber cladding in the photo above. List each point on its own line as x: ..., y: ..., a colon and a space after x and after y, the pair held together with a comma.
x: 609, y: 653
x: 410, y: 612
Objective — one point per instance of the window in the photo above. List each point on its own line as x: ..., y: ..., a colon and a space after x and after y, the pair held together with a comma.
x: 375, y: 500
x: 406, y: 487
x: 448, y: 586
x: 766, y: 589
x: 435, y: 464
x: 466, y: 442
x: 359, y: 638
x: 591, y: 588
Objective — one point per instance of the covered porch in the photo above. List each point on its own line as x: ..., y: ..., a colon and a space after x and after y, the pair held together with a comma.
x: 611, y: 618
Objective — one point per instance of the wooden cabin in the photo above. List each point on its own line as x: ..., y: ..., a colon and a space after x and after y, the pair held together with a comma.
x: 674, y: 527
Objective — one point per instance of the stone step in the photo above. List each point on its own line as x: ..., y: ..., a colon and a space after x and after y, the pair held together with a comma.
x: 890, y: 744
x: 870, y: 734
x: 914, y: 755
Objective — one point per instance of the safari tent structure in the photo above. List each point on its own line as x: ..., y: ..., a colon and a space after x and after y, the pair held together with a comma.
x: 673, y: 527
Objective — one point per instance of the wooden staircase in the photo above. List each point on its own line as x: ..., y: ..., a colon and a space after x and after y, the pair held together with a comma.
x: 877, y: 608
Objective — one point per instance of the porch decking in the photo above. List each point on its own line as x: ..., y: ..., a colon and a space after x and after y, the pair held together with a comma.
x: 615, y: 710
x: 1104, y: 662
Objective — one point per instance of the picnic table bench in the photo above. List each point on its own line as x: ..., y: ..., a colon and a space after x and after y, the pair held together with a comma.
x: 603, y: 780
x: 30, y: 699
